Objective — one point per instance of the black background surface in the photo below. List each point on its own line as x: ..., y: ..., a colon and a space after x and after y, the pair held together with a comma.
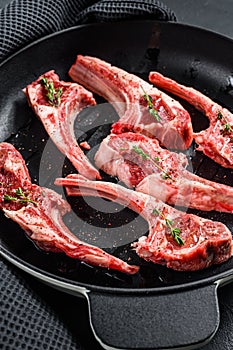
x: 217, y: 16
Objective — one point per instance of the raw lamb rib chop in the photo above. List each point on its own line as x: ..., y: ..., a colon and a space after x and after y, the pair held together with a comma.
x: 141, y: 107
x: 178, y: 240
x: 39, y: 212
x: 140, y: 162
x: 57, y: 103
x: 217, y: 140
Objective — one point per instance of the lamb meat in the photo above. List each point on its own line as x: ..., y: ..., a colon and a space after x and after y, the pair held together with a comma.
x: 140, y: 162
x: 39, y: 212
x: 141, y: 107
x: 178, y: 240
x: 217, y: 140
x: 57, y: 103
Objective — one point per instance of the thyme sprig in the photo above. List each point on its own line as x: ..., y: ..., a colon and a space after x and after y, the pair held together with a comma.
x: 21, y: 197
x: 153, y: 111
x: 154, y: 161
x: 227, y: 128
x: 175, y: 231
x: 53, y: 95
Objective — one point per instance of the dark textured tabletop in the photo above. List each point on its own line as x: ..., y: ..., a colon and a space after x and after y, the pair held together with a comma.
x: 214, y: 15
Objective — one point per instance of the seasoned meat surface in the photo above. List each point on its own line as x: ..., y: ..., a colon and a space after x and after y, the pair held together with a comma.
x: 39, y: 212
x: 141, y: 162
x: 181, y: 241
x: 217, y: 140
x: 58, y: 115
x: 141, y: 107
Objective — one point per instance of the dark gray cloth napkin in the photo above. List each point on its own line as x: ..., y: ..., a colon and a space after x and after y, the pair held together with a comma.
x: 24, y: 21
x: 26, y: 320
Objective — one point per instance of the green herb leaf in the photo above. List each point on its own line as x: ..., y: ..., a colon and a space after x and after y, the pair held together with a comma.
x: 219, y: 115
x: 139, y: 151
x: 175, y: 231
x: 156, y: 211
x: 153, y: 111
x: 145, y: 156
x: 169, y: 222
x: 59, y: 93
x: 155, y: 114
x: 165, y: 176
x: 19, y: 192
x: 53, y: 95
x: 227, y: 128
x: 6, y: 197
x: 21, y: 197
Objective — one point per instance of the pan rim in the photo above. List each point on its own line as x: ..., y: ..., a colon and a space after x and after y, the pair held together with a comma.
x: 82, y: 288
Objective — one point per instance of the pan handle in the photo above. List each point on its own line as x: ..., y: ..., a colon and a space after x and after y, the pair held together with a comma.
x: 154, y: 321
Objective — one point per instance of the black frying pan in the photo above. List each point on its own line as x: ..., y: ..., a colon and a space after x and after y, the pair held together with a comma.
x: 158, y: 308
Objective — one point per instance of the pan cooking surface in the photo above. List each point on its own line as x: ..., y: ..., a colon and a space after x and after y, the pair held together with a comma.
x: 140, y: 47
